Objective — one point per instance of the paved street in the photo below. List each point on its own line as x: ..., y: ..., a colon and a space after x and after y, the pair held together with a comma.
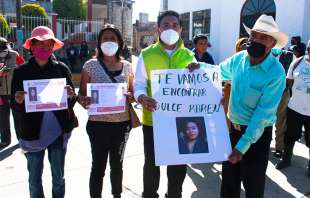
x: 202, y: 180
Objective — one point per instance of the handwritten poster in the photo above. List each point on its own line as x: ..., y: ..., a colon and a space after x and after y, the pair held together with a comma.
x: 189, y: 122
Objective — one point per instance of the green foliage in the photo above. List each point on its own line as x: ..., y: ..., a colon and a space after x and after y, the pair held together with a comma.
x: 33, y: 9
x: 4, y: 26
x: 70, y: 8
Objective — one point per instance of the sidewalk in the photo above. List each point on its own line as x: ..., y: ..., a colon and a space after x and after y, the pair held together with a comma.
x: 202, y: 180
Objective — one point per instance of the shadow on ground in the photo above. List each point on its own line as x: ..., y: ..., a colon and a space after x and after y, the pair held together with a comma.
x: 296, y: 176
x: 8, y: 151
x: 206, y: 176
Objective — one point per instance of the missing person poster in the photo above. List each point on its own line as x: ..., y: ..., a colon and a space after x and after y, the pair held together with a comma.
x: 45, y: 95
x: 106, y: 98
x: 189, y: 121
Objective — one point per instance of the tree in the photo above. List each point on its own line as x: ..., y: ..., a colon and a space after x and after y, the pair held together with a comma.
x: 33, y: 9
x: 4, y: 26
x: 70, y: 8
x: 34, y: 15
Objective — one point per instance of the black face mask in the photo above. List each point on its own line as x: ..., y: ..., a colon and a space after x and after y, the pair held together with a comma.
x: 255, y: 49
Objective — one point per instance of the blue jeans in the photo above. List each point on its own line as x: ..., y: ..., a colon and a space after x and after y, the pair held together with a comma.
x: 35, y: 160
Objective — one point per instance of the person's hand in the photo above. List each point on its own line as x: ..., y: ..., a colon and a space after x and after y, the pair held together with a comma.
x: 70, y: 91
x: 129, y: 97
x: 193, y: 66
x: 147, y: 102
x: 235, y: 156
x: 84, y: 101
x: 20, y: 96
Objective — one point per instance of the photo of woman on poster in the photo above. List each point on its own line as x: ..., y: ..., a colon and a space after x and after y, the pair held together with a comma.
x: 32, y: 94
x: 94, y: 97
x: 191, y: 135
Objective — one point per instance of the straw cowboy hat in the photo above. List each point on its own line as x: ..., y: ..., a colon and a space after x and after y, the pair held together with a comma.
x: 267, y: 25
x: 43, y: 33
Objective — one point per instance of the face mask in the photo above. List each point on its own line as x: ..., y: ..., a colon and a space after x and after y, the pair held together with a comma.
x: 109, y: 48
x: 41, y: 54
x: 169, y: 37
x: 255, y: 49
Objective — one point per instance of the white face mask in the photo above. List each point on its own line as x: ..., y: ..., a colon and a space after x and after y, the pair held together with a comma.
x: 109, y: 48
x: 169, y: 37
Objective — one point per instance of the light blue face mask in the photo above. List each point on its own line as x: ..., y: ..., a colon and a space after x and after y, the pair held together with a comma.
x: 276, y: 51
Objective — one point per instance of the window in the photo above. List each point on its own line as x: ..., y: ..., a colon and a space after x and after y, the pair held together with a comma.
x: 252, y: 10
x: 201, y: 22
x: 185, y: 26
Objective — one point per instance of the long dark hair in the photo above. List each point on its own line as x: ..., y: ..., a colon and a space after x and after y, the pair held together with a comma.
x: 182, y: 122
x: 119, y: 38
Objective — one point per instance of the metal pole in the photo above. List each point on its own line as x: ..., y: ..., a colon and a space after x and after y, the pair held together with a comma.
x: 109, y: 11
x: 122, y: 19
x: 2, y: 7
x: 19, y: 30
x: 19, y: 14
x: 89, y: 15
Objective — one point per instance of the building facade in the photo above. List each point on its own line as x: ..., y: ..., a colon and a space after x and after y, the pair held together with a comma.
x: 222, y: 20
x: 117, y: 12
x: 144, y: 33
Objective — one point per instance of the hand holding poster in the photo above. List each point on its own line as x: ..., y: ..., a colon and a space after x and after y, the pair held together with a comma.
x: 189, y: 122
x: 106, y: 98
x: 45, y: 95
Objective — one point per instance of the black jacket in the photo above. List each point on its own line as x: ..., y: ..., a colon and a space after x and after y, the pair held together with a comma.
x: 30, y: 123
x: 201, y: 146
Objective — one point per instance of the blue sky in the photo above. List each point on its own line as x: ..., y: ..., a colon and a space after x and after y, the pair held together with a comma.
x: 149, y: 6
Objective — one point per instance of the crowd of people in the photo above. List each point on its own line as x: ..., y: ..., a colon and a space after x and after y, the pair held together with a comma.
x: 264, y: 84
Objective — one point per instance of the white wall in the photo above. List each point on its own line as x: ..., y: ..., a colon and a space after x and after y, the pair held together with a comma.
x: 229, y: 27
x: 188, y: 6
x: 292, y: 16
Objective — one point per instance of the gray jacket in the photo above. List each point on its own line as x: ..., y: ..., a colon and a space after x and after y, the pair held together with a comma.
x: 5, y: 82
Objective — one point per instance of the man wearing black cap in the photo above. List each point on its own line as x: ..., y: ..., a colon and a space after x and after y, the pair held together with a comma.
x: 201, y: 43
x: 7, y: 64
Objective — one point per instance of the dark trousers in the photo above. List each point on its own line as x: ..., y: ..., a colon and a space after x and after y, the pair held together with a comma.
x: 107, y: 139
x: 5, y: 126
x: 151, y: 173
x: 295, y: 122
x: 281, y: 120
x: 5, y: 131
x: 250, y: 170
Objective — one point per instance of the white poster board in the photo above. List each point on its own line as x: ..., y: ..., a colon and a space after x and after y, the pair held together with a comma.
x: 45, y: 95
x: 189, y: 122
x: 106, y: 98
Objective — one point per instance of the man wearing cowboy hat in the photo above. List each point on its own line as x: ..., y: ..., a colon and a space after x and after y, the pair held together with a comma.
x: 257, y: 83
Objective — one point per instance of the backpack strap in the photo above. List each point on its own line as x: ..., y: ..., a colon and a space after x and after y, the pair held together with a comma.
x: 298, y: 61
